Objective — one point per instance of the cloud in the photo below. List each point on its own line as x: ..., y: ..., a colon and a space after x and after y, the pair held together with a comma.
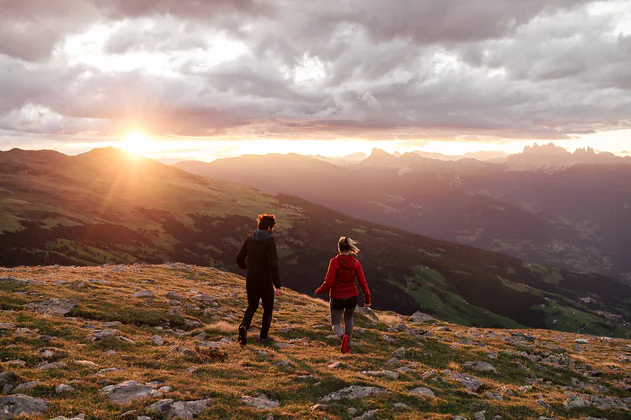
x: 296, y: 69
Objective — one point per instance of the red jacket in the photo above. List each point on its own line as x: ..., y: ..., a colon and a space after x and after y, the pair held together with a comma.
x: 340, y: 279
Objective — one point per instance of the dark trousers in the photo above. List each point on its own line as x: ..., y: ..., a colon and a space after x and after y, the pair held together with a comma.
x: 258, y: 292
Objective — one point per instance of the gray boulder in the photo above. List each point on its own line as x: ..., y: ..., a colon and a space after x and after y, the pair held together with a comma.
x: 420, y: 317
x: 59, y: 307
x: 422, y: 392
x: 480, y: 367
x: 381, y: 374
x: 576, y: 401
x: 126, y: 392
x: 472, y: 384
x: 261, y: 402
x: 354, y: 392
x: 15, y: 405
x: 180, y: 409
x: 144, y: 294
x: 101, y: 334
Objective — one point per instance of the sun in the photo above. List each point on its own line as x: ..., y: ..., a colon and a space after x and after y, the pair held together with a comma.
x: 138, y: 143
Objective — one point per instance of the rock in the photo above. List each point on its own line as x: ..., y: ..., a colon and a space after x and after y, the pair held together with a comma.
x: 401, y: 405
x: 404, y: 369
x: 180, y: 409
x: 157, y: 340
x: 54, y: 365
x: 85, y: 363
x: 354, y: 392
x: 144, y: 294
x: 6, y: 326
x: 174, y: 295
x: 581, y: 341
x: 26, y: 386
x: 393, y: 361
x: 98, y: 335
x: 319, y: 407
x: 480, y: 367
x: 60, y: 307
x: 204, y: 300
x: 108, y: 370
x: 422, y: 392
x: 79, y: 417
x: 381, y: 374
x: 334, y: 365
x: 8, y: 378
x: 62, y: 388
x: 261, y: 402
x: 370, y: 414
x: 126, y: 392
x: 111, y: 324
x: 399, y: 353
x: 420, y: 317
x: 282, y: 345
x: 576, y: 401
x: 352, y: 411
x: 493, y: 396
x: 15, y: 405
x: 428, y: 374
x: 543, y: 404
x: 480, y: 415
x: 472, y: 384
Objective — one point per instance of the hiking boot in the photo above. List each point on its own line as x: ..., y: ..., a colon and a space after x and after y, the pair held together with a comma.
x: 346, y: 340
x: 243, y: 333
x: 267, y: 339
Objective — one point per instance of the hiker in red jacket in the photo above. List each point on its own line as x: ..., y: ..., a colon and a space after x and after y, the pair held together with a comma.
x: 340, y: 278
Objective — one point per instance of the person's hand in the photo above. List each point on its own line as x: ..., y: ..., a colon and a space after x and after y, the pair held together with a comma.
x: 278, y: 292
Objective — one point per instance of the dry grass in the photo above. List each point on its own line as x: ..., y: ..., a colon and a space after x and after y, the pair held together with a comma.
x: 229, y: 372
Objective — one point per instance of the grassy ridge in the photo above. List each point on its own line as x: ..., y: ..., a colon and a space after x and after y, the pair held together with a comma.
x: 532, y: 365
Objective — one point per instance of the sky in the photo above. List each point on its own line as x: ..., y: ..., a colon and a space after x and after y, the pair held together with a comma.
x: 192, y: 79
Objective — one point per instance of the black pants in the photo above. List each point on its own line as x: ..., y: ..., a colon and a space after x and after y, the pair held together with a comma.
x: 255, y: 293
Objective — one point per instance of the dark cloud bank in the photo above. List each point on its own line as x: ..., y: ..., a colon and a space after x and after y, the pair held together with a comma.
x: 326, y: 69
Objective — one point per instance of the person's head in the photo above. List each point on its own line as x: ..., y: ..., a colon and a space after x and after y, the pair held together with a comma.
x: 266, y: 222
x: 347, y: 245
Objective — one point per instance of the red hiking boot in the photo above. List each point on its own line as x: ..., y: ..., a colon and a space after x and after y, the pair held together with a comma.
x: 346, y: 344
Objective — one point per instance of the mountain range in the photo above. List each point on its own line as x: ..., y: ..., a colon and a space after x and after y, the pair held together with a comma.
x: 106, y: 206
x: 576, y: 217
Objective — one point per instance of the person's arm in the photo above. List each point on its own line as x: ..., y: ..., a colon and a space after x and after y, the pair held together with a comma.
x: 361, y: 278
x: 329, y: 279
x: 272, y: 264
x: 241, y: 256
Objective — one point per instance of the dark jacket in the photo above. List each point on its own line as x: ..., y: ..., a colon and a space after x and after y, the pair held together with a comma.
x: 258, y: 256
x: 343, y: 272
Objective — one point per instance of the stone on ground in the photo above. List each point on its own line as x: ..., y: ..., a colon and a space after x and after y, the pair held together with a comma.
x: 423, y: 392
x: 126, y: 392
x: 180, y: 409
x: 15, y: 405
x: 354, y: 392
x: 59, y: 307
x: 480, y: 367
x: 261, y: 402
x: 472, y: 384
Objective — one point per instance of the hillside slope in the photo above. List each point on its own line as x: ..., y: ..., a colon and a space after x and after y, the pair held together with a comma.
x: 72, y: 338
x: 576, y: 217
x: 105, y: 206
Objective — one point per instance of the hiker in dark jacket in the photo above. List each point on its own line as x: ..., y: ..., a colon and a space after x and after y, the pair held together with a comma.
x: 258, y: 256
x: 340, y: 279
